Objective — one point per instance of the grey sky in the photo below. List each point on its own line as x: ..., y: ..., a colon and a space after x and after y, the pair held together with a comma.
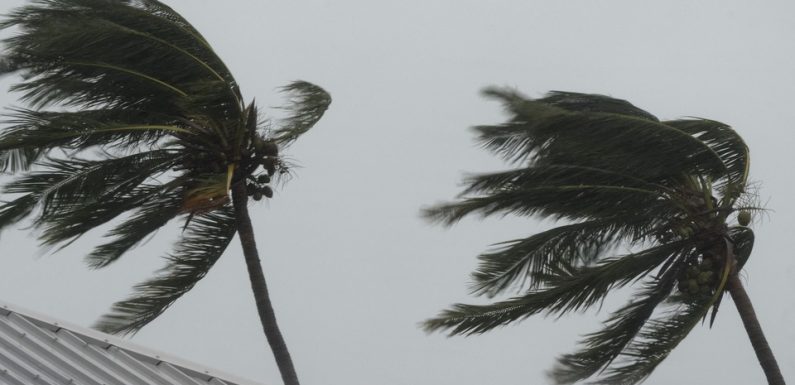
x: 352, y: 268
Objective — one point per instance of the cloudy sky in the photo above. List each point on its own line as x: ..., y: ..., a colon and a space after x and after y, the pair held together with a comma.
x: 351, y: 266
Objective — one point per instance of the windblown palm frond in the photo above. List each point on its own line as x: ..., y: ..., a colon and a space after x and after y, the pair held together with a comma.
x: 621, y: 177
x: 201, y: 245
x: 307, y: 104
x: 132, y: 117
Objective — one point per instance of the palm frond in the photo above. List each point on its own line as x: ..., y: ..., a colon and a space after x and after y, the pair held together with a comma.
x: 572, y: 101
x: 201, y: 245
x: 551, y: 174
x: 543, y: 133
x: 63, y: 185
x: 308, y: 103
x: 599, y: 349
x: 31, y: 134
x: 18, y: 159
x: 743, y: 242
x: 569, y: 201
x: 654, y: 342
x: 73, y: 221
x: 75, y: 180
x: 78, y: 195
x: 14, y: 211
x: 567, y: 289
x: 725, y: 142
x: 155, y: 213
x: 518, y: 263
x: 743, y: 239
x: 77, y: 51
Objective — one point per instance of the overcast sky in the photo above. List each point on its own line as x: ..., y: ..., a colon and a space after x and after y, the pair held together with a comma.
x: 351, y: 266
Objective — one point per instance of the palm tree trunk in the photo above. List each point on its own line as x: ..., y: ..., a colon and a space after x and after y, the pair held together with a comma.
x: 754, y: 330
x: 264, y: 307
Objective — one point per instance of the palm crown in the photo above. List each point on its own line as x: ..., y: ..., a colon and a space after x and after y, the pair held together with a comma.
x: 619, y: 178
x: 133, y: 116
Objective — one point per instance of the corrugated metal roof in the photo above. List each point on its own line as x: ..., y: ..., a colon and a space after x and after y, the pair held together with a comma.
x: 37, y: 350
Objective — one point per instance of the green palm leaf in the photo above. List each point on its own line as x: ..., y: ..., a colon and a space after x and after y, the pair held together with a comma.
x: 654, y: 342
x: 201, y: 245
x: 307, y: 104
x: 599, y: 349
x: 523, y: 262
x: 567, y: 289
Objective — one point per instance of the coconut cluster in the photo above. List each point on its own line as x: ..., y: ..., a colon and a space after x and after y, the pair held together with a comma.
x: 256, y: 164
x: 258, y: 187
x: 700, y: 277
x: 265, y: 154
x: 203, y: 162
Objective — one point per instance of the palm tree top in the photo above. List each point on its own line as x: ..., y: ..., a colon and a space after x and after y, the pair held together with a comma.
x: 132, y: 119
x: 620, y: 179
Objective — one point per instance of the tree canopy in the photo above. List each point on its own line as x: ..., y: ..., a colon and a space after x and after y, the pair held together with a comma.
x: 133, y: 121
x: 641, y: 202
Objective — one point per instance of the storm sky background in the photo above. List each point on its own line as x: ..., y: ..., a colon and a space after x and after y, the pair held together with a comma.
x: 351, y: 266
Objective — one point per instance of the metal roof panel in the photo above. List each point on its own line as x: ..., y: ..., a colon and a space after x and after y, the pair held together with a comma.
x: 35, y: 349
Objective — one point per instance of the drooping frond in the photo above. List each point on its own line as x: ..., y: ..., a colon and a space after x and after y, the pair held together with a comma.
x: 307, y: 104
x: 654, y: 342
x: 15, y: 210
x: 155, y: 213
x: 599, y: 349
x: 742, y: 239
x: 725, y: 142
x: 18, y: 159
x: 567, y: 289
x: 203, y: 242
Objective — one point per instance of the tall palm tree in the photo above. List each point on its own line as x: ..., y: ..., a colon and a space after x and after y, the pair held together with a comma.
x: 131, y: 116
x: 671, y: 193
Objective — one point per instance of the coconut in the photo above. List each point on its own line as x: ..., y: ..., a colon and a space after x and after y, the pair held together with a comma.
x: 258, y: 143
x: 263, y: 179
x: 744, y: 217
x: 270, y: 168
x: 267, y: 191
x: 257, y: 195
x: 705, y: 277
x: 268, y: 148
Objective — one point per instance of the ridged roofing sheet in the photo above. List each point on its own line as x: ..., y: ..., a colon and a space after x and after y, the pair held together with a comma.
x: 39, y: 351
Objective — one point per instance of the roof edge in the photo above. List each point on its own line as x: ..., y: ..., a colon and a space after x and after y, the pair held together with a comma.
x: 140, y: 352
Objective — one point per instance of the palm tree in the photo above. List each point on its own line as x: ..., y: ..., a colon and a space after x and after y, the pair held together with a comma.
x: 673, y: 193
x: 132, y: 117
